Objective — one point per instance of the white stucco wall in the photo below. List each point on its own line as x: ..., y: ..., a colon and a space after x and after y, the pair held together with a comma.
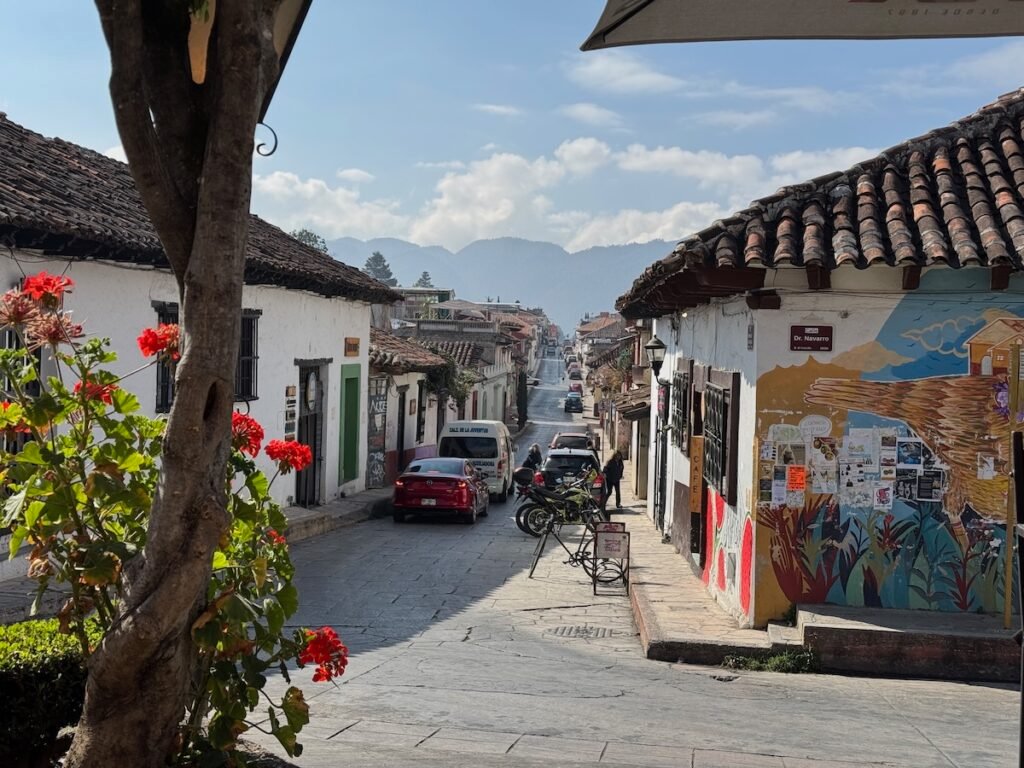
x: 714, y: 335
x: 115, y: 301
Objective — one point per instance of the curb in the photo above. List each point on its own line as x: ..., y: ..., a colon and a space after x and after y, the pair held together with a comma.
x: 684, y: 650
x: 305, y: 526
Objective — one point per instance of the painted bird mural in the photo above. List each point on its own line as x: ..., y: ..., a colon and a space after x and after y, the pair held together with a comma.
x: 960, y: 418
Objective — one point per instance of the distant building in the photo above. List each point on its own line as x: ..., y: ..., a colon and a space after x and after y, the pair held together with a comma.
x: 420, y: 303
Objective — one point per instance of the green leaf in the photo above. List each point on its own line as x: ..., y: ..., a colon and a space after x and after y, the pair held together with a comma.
x: 13, y: 505
x: 258, y: 485
x: 288, y: 596
x: 237, y: 608
x: 220, y: 561
x: 295, y: 708
x: 132, y: 462
x: 274, y: 613
x: 17, y: 536
x: 31, y: 454
x: 32, y: 513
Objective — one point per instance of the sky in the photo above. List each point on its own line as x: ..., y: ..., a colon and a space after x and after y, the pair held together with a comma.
x: 448, y: 121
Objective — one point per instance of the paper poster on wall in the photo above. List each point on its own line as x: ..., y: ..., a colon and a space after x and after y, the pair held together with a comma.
x: 859, y: 446
x: 883, y: 496
x: 909, y: 453
x: 929, y: 485
x: 764, y: 490
x: 824, y: 478
x: 766, y: 469
x: 785, y: 433
x: 887, y: 454
x: 887, y: 473
x: 905, y: 486
x: 792, y: 453
x: 823, y: 450
x: 796, y: 477
x: 779, y: 486
x: 986, y: 467
x: 795, y: 499
x: 768, y: 451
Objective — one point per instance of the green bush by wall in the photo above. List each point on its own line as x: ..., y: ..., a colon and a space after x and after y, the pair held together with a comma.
x: 42, y: 684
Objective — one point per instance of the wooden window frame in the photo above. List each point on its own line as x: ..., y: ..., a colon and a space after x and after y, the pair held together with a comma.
x: 167, y: 312
x: 680, y: 410
x: 721, y: 432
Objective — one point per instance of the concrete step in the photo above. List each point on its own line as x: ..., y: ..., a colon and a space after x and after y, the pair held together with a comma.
x: 900, y: 643
x: 784, y: 637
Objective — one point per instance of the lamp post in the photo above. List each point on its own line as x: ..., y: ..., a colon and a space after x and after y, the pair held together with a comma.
x: 655, y: 350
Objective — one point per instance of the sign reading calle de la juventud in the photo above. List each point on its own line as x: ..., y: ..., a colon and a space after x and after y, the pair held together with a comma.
x: 810, y: 338
x: 633, y: 22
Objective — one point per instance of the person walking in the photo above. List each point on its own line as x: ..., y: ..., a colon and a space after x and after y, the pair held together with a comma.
x: 613, y: 471
x: 534, y: 460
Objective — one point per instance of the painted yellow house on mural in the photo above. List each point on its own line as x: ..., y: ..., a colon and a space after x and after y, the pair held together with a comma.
x: 990, y: 347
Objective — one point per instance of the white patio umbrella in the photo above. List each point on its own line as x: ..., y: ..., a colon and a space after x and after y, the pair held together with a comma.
x: 634, y: 22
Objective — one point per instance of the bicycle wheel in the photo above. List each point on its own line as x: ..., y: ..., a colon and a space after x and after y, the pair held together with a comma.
x: 521, y: 511
x: 536, y: 520
x: 605, y: 573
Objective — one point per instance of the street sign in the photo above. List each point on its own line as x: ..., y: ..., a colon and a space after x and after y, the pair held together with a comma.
x: 810, y: 338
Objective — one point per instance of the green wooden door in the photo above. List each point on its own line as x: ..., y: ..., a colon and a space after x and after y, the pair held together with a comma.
x: 348, y: 460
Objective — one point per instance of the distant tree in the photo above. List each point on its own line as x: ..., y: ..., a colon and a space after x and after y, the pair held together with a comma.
x: 424, y: 281
x: 310, y: 238
x: 377, y: 266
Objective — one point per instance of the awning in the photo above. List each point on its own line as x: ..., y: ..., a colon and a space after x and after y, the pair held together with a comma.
x: 634, y: 405
x: 634, y: 22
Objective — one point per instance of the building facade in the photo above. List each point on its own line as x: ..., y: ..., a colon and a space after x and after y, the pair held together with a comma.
x: 832, y: 420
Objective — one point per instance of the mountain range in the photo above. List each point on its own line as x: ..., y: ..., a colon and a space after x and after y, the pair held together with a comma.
x: 538, y: 274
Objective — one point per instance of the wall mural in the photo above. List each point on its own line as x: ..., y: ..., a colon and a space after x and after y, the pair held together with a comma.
x: 882, y: 473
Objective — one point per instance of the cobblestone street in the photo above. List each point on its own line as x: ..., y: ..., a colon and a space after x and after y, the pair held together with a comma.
x: 459, y: 659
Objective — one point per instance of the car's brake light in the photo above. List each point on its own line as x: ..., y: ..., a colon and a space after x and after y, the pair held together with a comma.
x: 538, y: 478
x: 598, y: 481
x: 399, y: 483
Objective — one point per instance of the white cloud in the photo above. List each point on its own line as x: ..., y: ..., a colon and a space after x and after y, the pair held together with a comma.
x: 117, y: 153
x: 493, y: 197
x: 620, y: 72
x: 355, y: 175
x: 508, y: 194
x: 445, y: 165
x: 709, y: 169
x: 802, y: 165
x: 633, y: 226
x: 592, y: 114
x: 736, y: 120
x: 489, y: 147
x: 292, y: 202
x: 583, y: 156
x: 502, y: 110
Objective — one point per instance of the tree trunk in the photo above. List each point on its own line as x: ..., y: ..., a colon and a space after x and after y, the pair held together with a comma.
x: 190, y: 150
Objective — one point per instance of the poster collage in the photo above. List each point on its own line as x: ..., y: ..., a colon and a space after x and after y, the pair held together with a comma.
x: 868, y: 468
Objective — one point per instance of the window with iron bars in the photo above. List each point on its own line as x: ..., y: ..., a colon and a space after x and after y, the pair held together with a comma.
x: 246, y: 368
x: 721, y: 427
x: 681, y: 410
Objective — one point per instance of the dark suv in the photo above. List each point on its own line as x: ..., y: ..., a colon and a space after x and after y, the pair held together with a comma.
x: 568, y: 464
x: 574, y: 403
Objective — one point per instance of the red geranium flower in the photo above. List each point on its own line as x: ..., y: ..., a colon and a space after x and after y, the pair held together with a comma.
x: 246, y: 433
x: 46, y: 288
x: 325, y: 649
x: 162, y: 340
x: 18, y: 426
x: 96, y: 391
x: 289, y: 455
x: 275, y: 537
x: 17, y: 308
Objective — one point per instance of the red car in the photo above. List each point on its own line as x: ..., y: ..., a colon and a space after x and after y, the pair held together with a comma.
x: 576, y: 386
x: 431, y: 486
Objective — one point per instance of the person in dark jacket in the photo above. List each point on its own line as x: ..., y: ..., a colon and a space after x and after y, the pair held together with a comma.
x: 612, y: 477
x: 534, y: 458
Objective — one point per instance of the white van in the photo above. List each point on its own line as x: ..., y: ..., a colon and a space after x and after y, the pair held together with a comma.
x: 488, y: 445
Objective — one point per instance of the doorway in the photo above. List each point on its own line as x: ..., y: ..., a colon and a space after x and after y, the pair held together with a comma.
x: 310, y: 432
x: 400, y: 443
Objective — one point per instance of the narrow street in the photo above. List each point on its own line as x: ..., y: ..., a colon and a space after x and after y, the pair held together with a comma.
x: 457, y: 659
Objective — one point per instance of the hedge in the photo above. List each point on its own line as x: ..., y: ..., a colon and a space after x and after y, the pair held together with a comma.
x: 42, y: 684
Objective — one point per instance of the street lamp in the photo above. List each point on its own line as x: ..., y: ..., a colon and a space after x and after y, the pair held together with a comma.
x: 655, y: 350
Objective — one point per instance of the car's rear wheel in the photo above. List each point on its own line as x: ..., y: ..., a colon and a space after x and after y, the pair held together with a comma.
x: 487, y: 504
x: 398, y: 516
x: 503, y: 496
x: 470, y: 519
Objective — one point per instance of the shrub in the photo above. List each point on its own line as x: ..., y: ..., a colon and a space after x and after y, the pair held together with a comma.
x: 792, y: 662
x: 42, y: 684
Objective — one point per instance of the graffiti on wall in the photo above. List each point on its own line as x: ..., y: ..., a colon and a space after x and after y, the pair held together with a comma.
x: 882, y: 473
x: 729, y: 543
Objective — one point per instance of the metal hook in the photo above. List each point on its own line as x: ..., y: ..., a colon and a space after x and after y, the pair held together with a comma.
x: 261, y: 149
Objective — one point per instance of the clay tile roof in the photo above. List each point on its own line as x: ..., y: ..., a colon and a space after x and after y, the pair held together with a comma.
x: 395, y: 355
x: 953, y: 198
x: 634, y: 404
x: 70, y: 201
x: 465, y: 353
x: 597, y: 324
